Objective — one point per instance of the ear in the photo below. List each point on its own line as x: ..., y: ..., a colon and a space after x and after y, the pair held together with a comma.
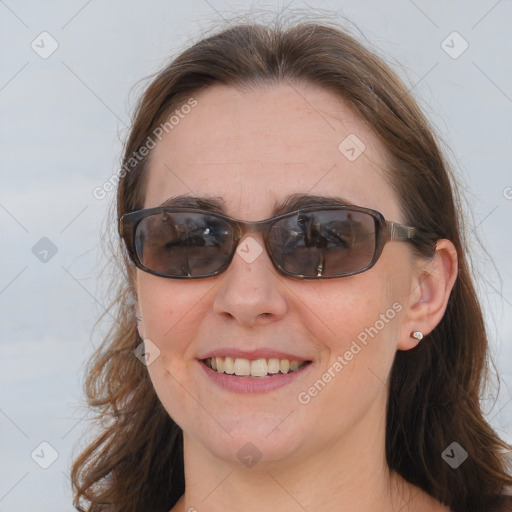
x: 429, y: 294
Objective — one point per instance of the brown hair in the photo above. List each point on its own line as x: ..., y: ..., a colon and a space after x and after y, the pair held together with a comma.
x: 137, y: 461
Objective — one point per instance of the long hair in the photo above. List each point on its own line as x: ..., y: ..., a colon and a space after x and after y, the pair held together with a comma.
x: 137, y: 461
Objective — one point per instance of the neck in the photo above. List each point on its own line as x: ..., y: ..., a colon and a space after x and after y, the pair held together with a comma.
x: 347, y: 476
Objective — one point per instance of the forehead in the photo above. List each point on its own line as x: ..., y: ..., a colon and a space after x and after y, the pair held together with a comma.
x: 255, y: 147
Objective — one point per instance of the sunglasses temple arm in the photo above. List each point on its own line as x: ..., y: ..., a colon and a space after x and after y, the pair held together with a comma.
x: 400, y: 232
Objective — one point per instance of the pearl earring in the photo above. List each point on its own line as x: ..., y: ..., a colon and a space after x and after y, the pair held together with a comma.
x: 417, y: 335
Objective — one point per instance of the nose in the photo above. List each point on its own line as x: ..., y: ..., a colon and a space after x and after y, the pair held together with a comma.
x: 251, y: 292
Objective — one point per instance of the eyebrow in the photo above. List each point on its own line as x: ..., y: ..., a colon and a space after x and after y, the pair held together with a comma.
x: 298, y: 201
x: 290, y: 203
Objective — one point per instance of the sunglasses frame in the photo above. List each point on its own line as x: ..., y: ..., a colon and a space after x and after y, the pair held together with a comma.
x: 385, y: 232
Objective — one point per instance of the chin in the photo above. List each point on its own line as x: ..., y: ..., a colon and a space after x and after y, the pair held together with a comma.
x: 254, y: 438
x: 247, y: 448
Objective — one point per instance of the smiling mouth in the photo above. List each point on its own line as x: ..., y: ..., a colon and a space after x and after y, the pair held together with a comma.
x: 240, y: 367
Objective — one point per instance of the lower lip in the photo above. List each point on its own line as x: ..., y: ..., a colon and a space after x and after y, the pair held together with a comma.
x: 252, y: 384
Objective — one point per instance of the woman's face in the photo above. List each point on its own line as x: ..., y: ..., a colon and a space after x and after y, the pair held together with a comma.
x: 252, y: 150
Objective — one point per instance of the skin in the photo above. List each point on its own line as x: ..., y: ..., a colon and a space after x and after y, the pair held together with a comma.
x: 253, y: 148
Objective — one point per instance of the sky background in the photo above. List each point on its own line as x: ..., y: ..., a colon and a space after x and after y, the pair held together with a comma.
x: 63, y: 116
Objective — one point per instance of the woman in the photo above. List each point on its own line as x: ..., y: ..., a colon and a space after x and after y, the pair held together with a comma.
x: 295, y: 266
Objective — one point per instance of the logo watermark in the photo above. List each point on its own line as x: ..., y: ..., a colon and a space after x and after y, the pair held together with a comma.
x: 146, y: 352
x: 44, y: 45
x: 454, y: 45
x: 249, y: 455
x: 352, y: 147
x: 249, y: 250
x: 44, y: 455
x: 454, y: 455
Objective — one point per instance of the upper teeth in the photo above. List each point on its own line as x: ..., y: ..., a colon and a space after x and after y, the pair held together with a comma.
x: 255, y: 368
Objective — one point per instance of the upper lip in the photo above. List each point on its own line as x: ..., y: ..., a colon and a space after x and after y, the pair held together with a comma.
x: 260, y: 353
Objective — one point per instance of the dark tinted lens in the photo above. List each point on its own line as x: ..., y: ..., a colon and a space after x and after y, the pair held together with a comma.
x: 327, y: 242
x: 183, y: 244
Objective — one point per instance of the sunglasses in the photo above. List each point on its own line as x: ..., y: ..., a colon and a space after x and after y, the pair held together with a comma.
x: 316, y: 242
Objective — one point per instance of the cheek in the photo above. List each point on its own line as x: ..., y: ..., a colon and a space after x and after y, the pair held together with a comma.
x: 171, y: 313
x: 169, y: 310
x: 360, y: 308
x: 357, y: 334
x: 368, y: 345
